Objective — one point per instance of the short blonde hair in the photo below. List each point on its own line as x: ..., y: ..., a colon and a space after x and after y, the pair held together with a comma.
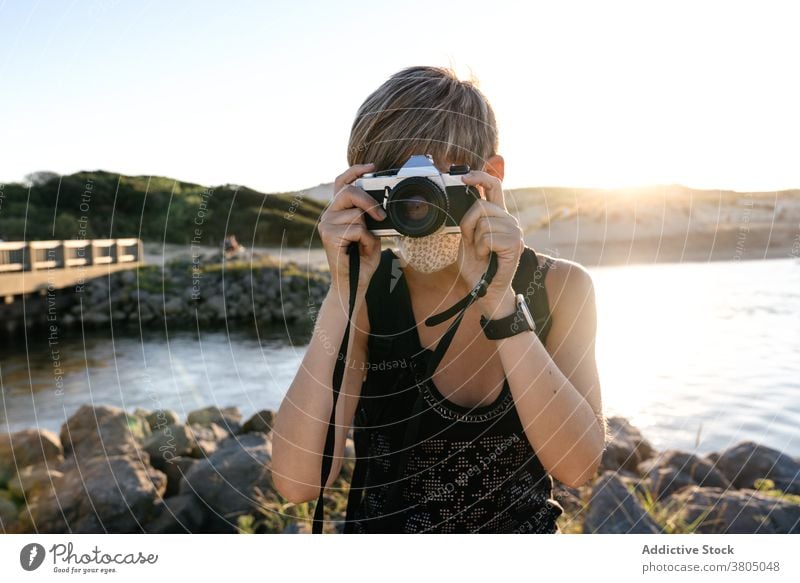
x: 424, y: 110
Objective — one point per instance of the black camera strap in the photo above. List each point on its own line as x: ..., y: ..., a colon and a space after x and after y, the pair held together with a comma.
x: 338, y: 376
x: 458, y: 309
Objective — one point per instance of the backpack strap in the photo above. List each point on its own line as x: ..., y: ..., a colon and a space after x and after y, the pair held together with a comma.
x: 529, y: 281
x: 383, y: 343
x: 378, y: 299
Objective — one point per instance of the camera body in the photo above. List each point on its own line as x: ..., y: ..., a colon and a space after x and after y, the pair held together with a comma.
x: 418, y: 198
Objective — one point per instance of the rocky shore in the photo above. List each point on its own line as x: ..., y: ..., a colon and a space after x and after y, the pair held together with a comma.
x: 148, y: 471
x: 185, y: 292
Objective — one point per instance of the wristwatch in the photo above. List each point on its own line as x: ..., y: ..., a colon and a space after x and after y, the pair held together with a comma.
x: 511, y: 325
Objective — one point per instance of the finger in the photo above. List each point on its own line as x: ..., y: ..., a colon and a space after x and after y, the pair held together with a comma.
x: 369, y: 245
x: 350, y: 197
x: 346, y: 216
x: 502, y: 242
x: 353, y: 232
x: 350, y: 175
x: 495, y: 226
x: 479, y: 208
x: 492, y: 186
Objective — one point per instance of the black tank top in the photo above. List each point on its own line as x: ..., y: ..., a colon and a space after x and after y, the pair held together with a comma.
x: 469, y: 469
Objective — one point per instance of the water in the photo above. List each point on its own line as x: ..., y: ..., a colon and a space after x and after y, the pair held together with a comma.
x: 698, y: 355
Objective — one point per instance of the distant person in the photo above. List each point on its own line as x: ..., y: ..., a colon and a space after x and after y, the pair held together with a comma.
x: 232, y: 246
x: 517, y: 396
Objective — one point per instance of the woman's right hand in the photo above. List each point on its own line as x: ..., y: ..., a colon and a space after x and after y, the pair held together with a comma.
x: 343, y: 222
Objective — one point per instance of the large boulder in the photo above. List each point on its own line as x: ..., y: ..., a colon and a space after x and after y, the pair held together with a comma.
x: 175, y: 470
x: 613, y: 509
x: 714, y: 510
x: 8, y: 511
x: 231, y: 481
x: 625, y: 446
x: 114, y: 494
x: 178, y: 514
x: 747, y: 462
x: 261, y: 421
x: 26, y: 448
x: 206, y: 439
x: 672, y: 470
x: 33, y: 481
x: 105, y: 430
x: 229, y: 418
x: 161, y: 418
x: 169, y: 442
x: 174, y: 441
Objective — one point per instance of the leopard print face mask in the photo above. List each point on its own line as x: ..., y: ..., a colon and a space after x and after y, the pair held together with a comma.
x: 431, y: 253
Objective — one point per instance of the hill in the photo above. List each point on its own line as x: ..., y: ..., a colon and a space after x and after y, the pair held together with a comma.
x: 102, y: 204
x: 590, y: 225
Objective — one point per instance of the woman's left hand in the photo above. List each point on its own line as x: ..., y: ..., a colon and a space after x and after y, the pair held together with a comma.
x: 487, y: 226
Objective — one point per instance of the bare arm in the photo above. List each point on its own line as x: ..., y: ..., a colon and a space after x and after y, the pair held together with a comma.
x: 302, y: 420
x: 558, y: 399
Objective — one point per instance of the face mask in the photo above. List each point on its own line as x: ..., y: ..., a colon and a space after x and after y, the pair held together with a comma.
x: 431, y: 253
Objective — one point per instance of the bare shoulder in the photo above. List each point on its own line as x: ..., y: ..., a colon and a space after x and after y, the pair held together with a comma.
x: 567, y: 281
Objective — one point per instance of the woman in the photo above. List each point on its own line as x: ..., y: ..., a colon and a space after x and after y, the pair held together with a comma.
x: 500, y: 417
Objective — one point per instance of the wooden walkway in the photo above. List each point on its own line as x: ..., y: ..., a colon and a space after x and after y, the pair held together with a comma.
x: 38, y: 266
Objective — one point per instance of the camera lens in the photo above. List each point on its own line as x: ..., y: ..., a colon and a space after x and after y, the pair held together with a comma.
x: 417, y: 206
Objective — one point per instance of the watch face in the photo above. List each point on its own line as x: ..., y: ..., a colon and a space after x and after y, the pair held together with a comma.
x: 522, y: 306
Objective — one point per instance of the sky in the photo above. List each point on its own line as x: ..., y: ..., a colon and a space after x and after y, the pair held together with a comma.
x: 263, y: 94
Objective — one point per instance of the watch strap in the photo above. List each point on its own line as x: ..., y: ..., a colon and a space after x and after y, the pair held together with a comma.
x: 518, y: 321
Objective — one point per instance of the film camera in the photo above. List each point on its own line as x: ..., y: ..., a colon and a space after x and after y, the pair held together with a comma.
x: 418, y: 198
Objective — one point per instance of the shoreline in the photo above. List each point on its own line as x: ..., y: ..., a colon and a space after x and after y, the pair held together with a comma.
x: 210, y: 473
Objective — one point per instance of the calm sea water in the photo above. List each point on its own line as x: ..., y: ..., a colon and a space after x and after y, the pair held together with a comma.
x: 698, y: 355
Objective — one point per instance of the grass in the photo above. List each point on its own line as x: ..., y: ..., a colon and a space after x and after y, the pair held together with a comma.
x: 667, y: 515
x: 768, y: 488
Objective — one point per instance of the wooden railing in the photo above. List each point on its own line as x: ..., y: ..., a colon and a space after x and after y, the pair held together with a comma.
x: 17, y: 256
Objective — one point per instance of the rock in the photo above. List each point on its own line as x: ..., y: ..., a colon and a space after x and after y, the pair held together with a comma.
x: 229, y: 418
x: 161, y: 418
x: 8, y: 514
x: 176, y: 469
x: 661, y: 482
x: 25, y: 448
x: 175, y: 307
x: 747, y: 462
x: 625, y: 446
x: 114, y: 494
x: 128, y: 277
x: 178, y: 514
x: 32, y: 481
x: 261, y: 421
x: 297, y: 527
x: 95, y: 318
x: 206, y: 439
x: 141, y: 412
x: 169, y: 442
x: 108, y: 430
x: 569, y: 498
x: 230, y: 479
x: 614, y: 510
x: 672, y: 470
x: 714, y: 510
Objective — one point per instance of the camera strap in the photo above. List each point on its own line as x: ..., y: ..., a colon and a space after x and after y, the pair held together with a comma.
x: 458, y: 309
x: 338, y: 376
